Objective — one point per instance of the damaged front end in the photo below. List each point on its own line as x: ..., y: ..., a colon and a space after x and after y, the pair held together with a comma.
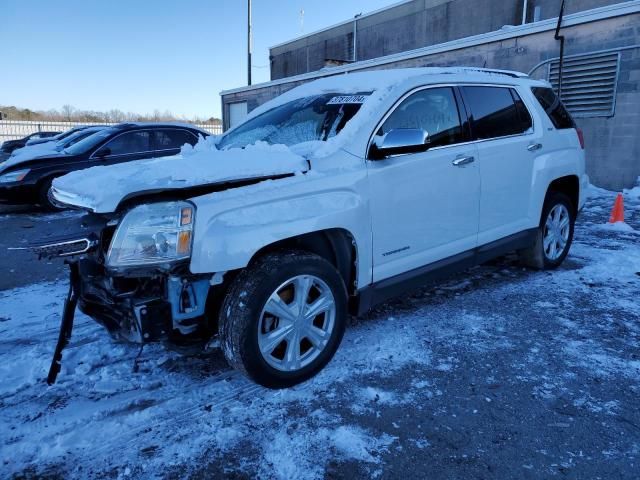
x: 142, y: 306
x: 130, y: 273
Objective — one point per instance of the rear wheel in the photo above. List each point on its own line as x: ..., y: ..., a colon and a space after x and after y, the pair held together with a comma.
x: 555, y: 233
x: 283, y: 318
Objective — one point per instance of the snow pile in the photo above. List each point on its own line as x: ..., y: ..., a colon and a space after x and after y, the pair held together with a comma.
x: 199, y: 165
x: 286, y: 453
x: 205, y: 144
x: 634, y: 192
x: 619, y: 227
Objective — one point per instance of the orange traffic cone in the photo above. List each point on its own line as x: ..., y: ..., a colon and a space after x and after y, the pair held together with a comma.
x: 617, y: 213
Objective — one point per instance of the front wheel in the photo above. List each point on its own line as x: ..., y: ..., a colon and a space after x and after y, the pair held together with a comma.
x: 283, y: 318
x: 554, y: 235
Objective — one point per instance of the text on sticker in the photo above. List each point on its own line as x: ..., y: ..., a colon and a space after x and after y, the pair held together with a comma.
x: 347, y: 99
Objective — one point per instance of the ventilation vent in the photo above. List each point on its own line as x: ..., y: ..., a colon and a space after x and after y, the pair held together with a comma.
x: 588, y: 84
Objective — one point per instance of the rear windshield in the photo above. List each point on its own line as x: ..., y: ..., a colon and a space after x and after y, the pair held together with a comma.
x: 306, y: 119
x: 554, y: 108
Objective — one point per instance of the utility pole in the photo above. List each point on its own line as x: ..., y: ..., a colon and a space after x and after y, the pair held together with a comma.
x: 249, y: 42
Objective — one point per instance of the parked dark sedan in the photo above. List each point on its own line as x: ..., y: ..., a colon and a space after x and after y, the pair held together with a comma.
x: 42, y: 149
x: 10, y: 145
x: 27, y: 180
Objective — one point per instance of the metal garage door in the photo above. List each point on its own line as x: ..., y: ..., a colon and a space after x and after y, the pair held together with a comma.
x: 237, y: 113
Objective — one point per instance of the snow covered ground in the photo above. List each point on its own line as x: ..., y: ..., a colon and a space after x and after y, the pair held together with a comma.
x: 500, y: 372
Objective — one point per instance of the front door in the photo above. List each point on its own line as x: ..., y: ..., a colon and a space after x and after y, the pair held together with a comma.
x: 424, y: 206
x: 133, y: 145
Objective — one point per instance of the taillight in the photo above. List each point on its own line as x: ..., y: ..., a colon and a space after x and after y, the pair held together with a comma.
x: 580, y: 137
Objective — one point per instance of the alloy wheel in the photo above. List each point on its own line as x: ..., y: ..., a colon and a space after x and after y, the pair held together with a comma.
x: 296, y: 323
x: 556, y: 232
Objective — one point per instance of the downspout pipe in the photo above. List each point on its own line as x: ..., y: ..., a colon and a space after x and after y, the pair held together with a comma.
x: 354, y: 56
x: 559, y: 37
x: 249, y: 42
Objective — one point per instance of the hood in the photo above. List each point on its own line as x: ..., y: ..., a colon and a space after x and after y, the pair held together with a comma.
x: 101, y: 189
x: 28, y: 158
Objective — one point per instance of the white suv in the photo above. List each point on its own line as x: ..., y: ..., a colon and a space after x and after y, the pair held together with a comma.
x: 332, y: 198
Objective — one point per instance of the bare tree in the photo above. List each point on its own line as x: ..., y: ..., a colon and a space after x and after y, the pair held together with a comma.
x: 68, y: 111
x: 116, y: 115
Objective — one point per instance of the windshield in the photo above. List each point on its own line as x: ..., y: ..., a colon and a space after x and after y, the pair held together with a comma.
x: 306, y: 119
x: 89, y: 142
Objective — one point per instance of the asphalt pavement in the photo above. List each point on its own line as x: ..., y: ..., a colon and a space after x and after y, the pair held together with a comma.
x: 500, y: 372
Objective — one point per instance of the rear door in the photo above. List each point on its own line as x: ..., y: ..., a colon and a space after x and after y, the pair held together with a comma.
x: 424, y: 206
x: 507, y: 148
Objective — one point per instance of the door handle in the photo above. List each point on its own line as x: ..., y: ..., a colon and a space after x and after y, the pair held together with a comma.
x: 461, y: 160
x: 534, y: 146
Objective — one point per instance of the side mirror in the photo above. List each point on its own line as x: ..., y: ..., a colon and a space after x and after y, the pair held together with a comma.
x: 399, y: 141
x: 103, y: 152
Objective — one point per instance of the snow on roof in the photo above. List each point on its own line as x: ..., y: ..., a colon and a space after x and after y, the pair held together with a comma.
x: 377, y: 80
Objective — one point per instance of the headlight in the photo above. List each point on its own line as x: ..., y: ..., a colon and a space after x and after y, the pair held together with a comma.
x: 16, y: 176
x: 152, y: 234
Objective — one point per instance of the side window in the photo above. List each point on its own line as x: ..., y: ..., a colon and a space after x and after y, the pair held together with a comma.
x: 554, y: 108
x: 434, y: 110
x: 167, y: 139
x: 495, y: 113
x: 132, y: 142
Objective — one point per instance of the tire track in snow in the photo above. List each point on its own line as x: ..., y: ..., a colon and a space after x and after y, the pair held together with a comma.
x: 202, y: 406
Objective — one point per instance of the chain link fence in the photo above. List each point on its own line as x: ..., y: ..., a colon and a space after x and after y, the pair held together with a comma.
x: 14, y: 129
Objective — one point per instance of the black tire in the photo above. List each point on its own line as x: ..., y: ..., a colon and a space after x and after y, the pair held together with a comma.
x: 43, y: 195
x: 535, y: 256
x: 241, y: 309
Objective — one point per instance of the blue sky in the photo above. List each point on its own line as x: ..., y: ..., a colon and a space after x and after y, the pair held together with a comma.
x: 140, y: 56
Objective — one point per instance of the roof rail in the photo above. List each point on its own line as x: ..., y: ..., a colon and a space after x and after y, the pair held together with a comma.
x: 509, y: 73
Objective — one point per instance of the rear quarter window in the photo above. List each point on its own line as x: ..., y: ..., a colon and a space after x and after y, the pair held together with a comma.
x: 552, y: 105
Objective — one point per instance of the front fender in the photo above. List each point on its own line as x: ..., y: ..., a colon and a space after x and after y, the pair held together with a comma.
x: 232, y: 226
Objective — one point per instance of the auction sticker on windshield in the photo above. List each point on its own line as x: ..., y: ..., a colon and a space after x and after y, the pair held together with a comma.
x: 342, y: 99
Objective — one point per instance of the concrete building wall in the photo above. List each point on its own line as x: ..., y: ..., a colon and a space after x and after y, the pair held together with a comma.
x: 612, y: 143
x: 407, y: 26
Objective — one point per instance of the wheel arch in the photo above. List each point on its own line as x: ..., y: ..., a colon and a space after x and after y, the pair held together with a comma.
x: 336, y: 245
x: 568, y: 185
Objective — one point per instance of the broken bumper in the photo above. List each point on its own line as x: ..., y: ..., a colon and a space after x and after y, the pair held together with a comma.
x: 145, y: 308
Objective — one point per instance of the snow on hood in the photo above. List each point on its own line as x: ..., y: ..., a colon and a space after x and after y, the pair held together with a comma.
x: 30, y: 152
x: 102, y: 188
